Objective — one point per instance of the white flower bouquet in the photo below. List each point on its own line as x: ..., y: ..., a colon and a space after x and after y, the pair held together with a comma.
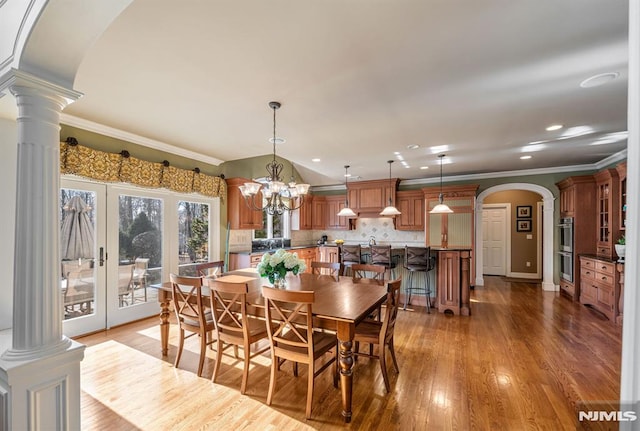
x: 276, y: 265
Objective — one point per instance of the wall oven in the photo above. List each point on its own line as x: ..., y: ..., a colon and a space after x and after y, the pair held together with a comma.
x: 566, y: 234
x: 566, y: 265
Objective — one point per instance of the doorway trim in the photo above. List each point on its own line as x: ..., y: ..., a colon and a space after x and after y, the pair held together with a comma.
x: 547, y: 229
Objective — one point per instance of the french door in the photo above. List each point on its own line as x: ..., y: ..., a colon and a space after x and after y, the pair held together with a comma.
x: 117, y: 241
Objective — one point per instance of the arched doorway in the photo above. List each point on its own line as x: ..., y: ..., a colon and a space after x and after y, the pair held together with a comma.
x: 547, y: 228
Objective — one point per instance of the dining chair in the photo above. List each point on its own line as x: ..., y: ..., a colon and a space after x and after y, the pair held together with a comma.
x: 381, y: 255
x: 192, y: 314
x: 368, y: 273
x: 381, y: 333
x: 418, y: 260
x: 125, y: 284
x: 350, y: 255
x: 333, y: 269
x: 292, y: 337
x: 233, y: 326
x: 210, y: 269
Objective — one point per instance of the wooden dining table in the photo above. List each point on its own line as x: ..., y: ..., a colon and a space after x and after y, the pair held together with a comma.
x: 339, y: 305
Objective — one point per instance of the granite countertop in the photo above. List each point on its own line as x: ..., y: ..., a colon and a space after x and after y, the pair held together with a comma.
x: 604, y: 259
x: 295, y: 247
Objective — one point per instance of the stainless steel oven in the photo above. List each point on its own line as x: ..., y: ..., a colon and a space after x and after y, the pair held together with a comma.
x: 566, y: 265
x: 565, y: 230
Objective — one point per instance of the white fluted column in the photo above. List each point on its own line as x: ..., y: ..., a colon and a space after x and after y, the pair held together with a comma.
x: 37, y: 310
x: 40, y: 371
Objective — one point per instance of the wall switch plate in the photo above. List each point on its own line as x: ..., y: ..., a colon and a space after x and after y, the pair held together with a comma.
x: 529, y: 236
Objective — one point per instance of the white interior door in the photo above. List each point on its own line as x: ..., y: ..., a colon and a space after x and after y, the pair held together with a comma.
x: 494, y: 240
x: 82, y: 266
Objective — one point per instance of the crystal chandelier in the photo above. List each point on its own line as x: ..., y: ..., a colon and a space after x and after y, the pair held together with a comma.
x: 278, y: 196
x: 441, y: 208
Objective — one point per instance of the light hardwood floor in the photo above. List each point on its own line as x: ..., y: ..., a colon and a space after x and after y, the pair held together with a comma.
x: 525, y: 359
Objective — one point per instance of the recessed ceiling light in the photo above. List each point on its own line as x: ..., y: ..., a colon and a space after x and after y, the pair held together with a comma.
x: 525, y: 157
x: 554, y: 127
x: 600, y: 79
x: 413, y: 146
x: 316, y: 160
x: 278, y: 140
x: 424, y: 167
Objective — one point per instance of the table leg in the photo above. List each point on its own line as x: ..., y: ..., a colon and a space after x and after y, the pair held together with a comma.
x: 164, y: 300
x: 345, y: 343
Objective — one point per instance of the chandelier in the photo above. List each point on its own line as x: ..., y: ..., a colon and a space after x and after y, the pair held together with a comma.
x: 278, y: 196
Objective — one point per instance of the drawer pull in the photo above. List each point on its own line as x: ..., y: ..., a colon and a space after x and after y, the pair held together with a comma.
x: 603, y: 268
x: 604, y: 278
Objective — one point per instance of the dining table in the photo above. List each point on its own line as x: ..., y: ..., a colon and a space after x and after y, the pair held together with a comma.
x: 340, y: 304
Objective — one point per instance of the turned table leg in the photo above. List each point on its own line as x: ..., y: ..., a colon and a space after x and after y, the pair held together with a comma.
x: 164, y: 299
x: 345, y: 343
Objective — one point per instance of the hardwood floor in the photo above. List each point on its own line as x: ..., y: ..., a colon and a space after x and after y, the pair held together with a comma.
x: 525, y: 359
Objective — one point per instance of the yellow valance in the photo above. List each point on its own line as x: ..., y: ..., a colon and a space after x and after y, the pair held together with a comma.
x: 122, y: 167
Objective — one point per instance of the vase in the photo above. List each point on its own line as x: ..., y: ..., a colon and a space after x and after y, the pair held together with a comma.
x: 279, y: 282
x: 620, y: 251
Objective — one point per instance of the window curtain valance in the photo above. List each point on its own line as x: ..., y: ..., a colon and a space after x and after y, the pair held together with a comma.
x: 122, y: 167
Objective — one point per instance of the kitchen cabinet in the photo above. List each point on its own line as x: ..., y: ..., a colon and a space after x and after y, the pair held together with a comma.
x: 244, y: 260
x: 411, y: 206
x: 454, y: 230
x: 302, y: 218
x: 578, y: 203
x: 308, y: 255
x: 622, y: 174
x: 369, y: 198
x: 600, y: 286
x: 334, y: 205
x: 239, y: 215
x: 453, y: 275
x: 318, y: 212
x: 607, y: 211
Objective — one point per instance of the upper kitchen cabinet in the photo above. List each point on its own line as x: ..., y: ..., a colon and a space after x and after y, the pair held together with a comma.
x: 622, y: 173
x: 369, y: 198
x: 239, y: 215
x: 318, y: 212
x: 455, y: 229
x: 302, y: 218
x: 577, y: 195
x: 411, y: 206
x: 607, y: 211
x: 334, y: 205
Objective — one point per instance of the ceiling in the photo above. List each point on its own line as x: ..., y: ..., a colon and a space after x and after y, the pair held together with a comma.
x: 361, y: 81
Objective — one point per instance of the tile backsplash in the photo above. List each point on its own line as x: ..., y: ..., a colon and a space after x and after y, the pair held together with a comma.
x: 381, y: 228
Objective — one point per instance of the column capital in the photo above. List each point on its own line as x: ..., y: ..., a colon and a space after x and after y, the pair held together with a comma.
x: 15, y: 78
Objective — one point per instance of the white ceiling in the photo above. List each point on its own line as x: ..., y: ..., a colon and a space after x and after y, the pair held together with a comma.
x: 361, y: 80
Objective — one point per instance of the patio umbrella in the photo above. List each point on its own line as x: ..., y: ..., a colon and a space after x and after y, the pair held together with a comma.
x: 76, y: 234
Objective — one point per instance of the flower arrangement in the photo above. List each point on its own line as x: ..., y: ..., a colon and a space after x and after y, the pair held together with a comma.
x: 275, y: 266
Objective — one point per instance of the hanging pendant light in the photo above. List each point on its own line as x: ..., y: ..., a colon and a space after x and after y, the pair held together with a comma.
x: 346, y: 211
x: 390, y: 210
x: 275, y: 190
x: 441, y: 208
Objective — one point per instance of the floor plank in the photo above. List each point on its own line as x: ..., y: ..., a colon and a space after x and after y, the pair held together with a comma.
x: 525, y: 359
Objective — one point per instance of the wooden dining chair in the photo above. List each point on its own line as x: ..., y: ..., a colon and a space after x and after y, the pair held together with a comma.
x: 368, y: 273
x: 192, y: 314
x: 292, y: 337
x: 125, y: 284
x: 233, y: 326
x: 334, y: 269
x: 381, y: 333
x: 210, y: 269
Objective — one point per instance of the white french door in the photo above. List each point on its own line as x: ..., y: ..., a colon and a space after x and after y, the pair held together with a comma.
x: 83, y: 269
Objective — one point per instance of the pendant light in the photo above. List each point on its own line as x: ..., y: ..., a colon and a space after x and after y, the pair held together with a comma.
x: 346, y: 211
x: 441, y: 208
x: 390, y: 210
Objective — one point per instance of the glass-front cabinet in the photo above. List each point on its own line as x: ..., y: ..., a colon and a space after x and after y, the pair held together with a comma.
x: 608, y: 212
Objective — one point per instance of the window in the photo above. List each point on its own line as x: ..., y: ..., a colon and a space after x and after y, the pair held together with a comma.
x: 193, y: 236
x: 274, y: 226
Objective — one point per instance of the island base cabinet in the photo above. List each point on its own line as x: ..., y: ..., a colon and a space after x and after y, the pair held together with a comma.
x: 453, y: 281
x: 599, y: 286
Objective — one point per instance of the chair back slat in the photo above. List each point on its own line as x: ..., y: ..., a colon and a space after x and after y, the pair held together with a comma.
x: 333, y: 269
x: 381, y: 255
x: 368, y: 273
x: 289, y: 317
x: 229, y: 305
x: 210, y: 269
x: 187, y: 298
x: 391, y: 313
x: 351, y: 253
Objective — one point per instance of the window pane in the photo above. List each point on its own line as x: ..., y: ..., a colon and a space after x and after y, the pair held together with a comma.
x: 193, y: 236
x: 140, y: 245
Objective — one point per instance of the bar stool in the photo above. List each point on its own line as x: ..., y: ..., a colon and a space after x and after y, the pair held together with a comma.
x: 381, y: 255
x: 418, y: 259
x: 350, y: 255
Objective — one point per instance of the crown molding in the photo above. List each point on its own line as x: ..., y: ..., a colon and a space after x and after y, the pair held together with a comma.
x: 136, y: 139
x: 619, y: 156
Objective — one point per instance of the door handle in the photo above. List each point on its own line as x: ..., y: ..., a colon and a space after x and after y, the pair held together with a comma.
x: 102, y: 257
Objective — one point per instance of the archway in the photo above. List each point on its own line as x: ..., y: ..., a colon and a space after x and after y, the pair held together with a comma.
x: 547, y: 228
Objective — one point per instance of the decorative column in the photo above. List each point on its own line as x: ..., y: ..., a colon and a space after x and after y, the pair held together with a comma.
x: 40, y: 372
